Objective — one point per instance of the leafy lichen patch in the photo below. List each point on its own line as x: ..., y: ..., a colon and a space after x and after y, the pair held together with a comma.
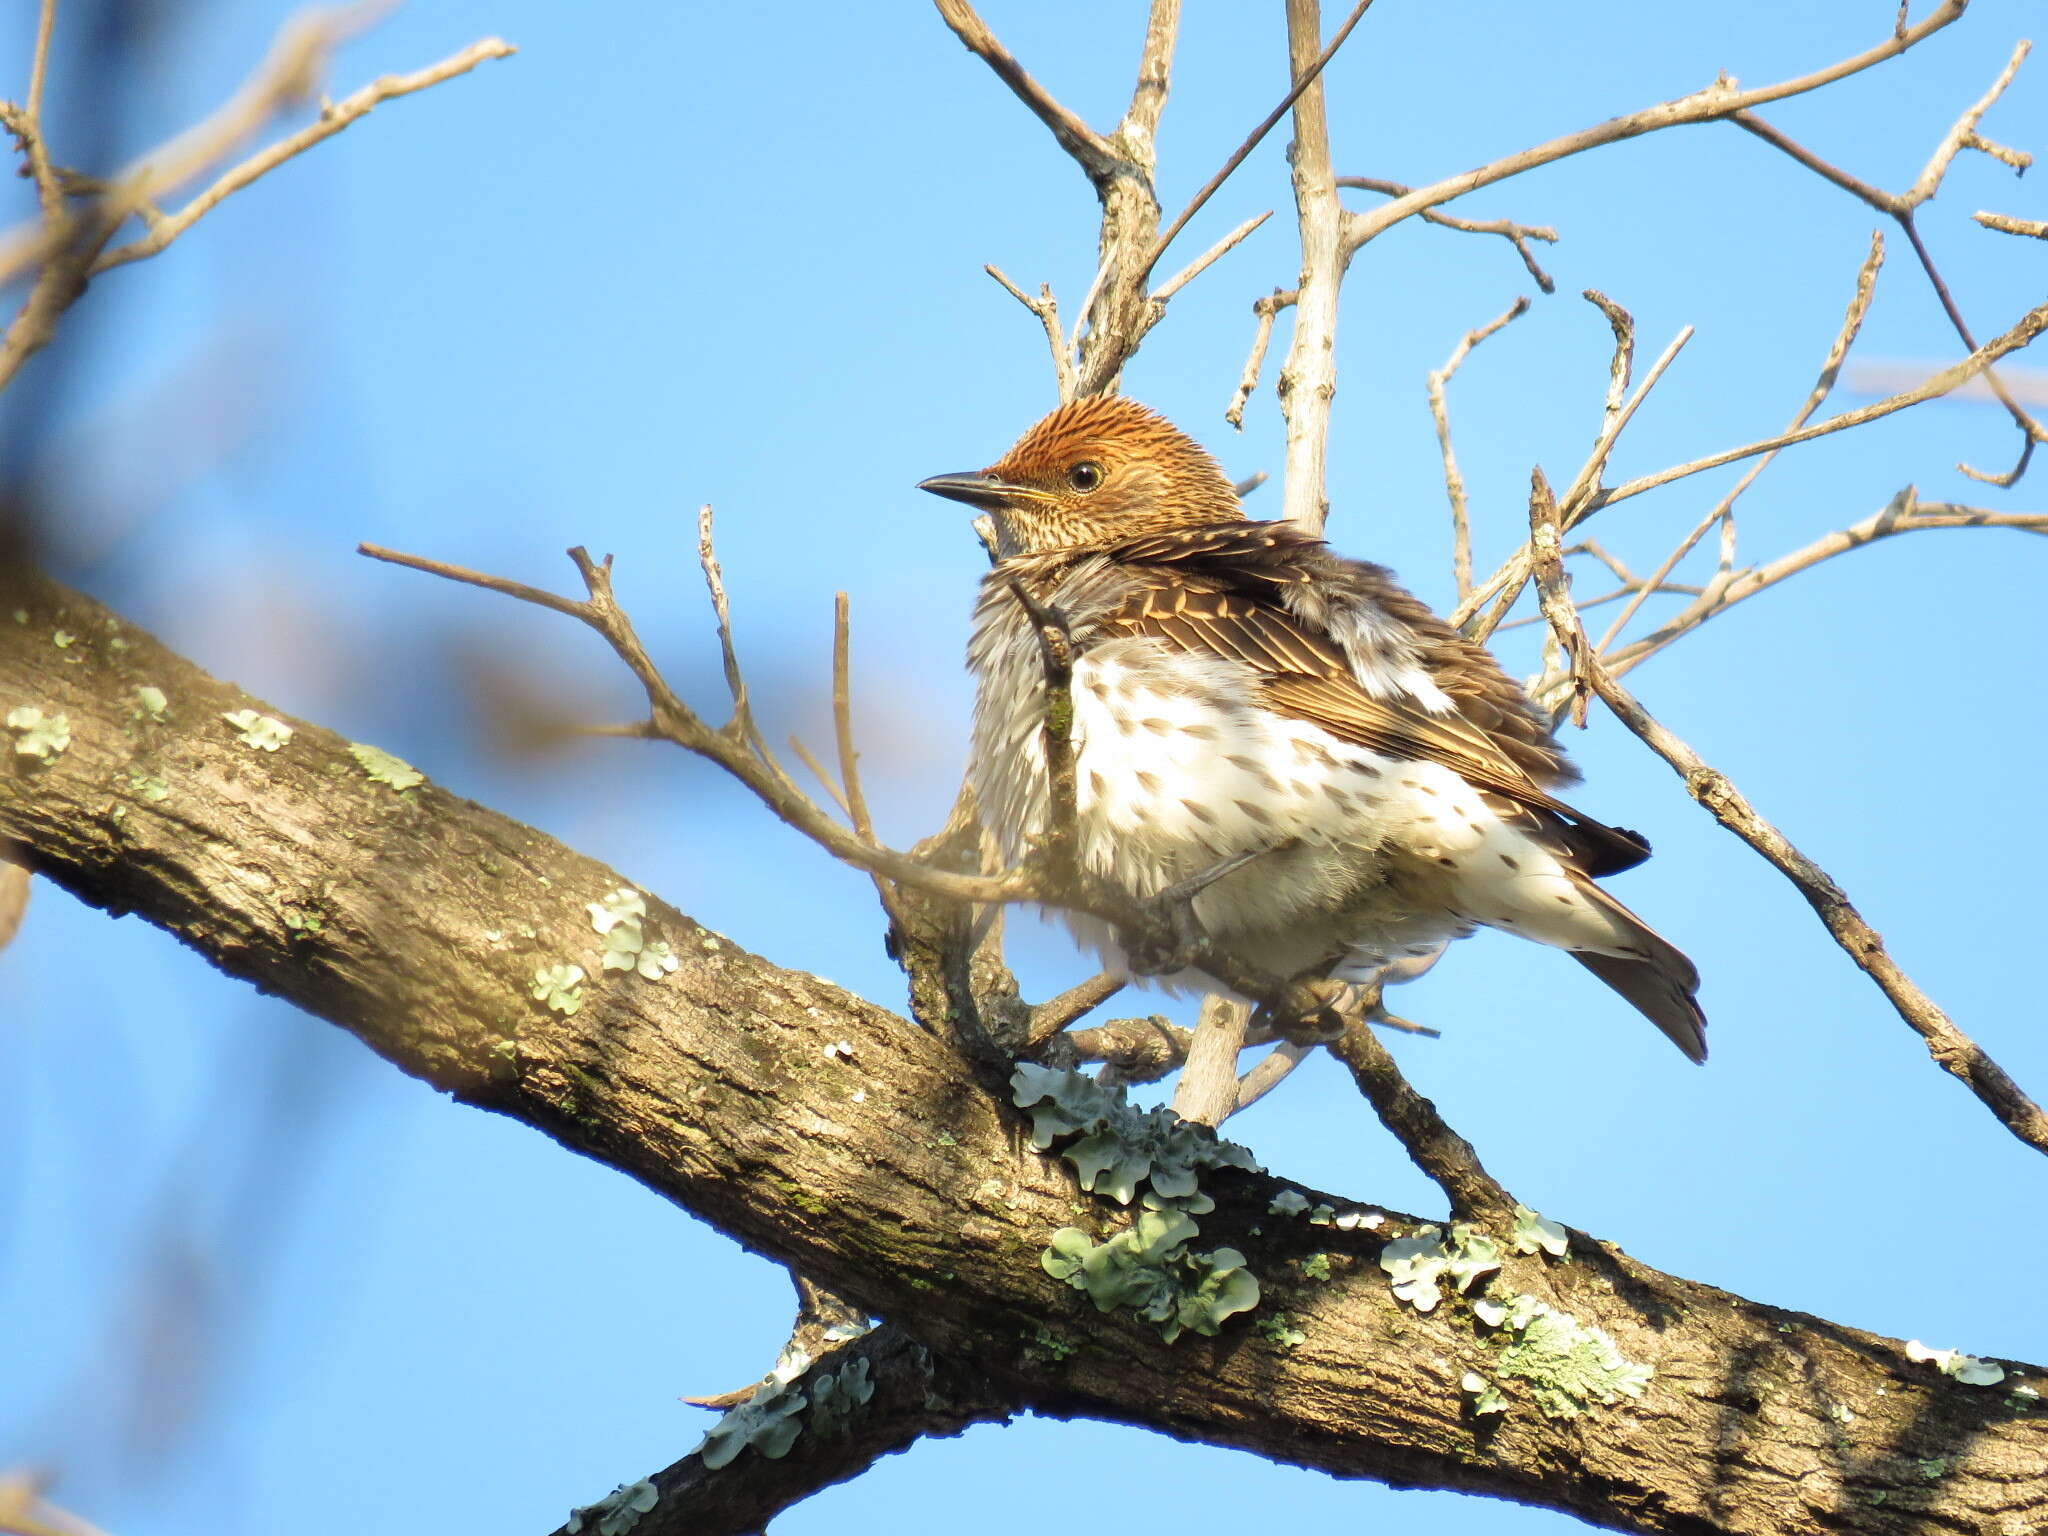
x: 150, y: 703
x: 617, y: 1512
x: 38, y: 735
x: 263, y: 733
x: 558, y: 987
x: 380, y: 767
x: 1968, y: 1369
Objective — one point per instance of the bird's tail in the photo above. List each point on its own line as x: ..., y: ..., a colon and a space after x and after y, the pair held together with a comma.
x: 1650, y: 971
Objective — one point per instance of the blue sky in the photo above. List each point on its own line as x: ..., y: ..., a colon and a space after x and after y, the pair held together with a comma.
x: 255, y: 1281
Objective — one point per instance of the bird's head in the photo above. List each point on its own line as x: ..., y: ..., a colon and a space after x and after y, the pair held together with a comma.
x: 1094, y: 470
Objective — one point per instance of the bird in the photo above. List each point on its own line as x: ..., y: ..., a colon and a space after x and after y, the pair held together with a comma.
x: 1341, y: 780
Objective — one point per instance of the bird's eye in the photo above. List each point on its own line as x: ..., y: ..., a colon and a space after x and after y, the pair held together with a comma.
x: 1085, y: 476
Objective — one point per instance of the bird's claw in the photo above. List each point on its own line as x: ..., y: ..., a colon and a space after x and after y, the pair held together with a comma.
x: 1310, y: 1012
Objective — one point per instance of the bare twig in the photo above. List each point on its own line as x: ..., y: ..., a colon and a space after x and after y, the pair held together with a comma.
x: 1208, y: 258
x: 1719, y: 100
x: 1517, y: 235
x: 1901, y: 206
x: 1272, y: 1070
x: 1454, y: 482
x: 676, y: 722
x: 2005, y: 223
x: 1905, y: 513
x: 1553, y: 590
x: 1093, y: 153
x: 1265, y: 309
x: 1057, y: 1014
x: 1047, y: 308
x: 1304, y: 77
x: 1435, y: 1148
x: 1954, y: 1051
x: 1723, y: 510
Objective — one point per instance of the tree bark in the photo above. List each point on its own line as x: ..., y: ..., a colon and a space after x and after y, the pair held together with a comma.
x: 840, y: 1138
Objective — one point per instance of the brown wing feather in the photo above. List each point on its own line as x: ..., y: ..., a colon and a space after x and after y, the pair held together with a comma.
x: 1190, y: 604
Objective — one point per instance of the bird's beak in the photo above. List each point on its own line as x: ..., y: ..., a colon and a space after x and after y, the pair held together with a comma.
x: 977, y: 487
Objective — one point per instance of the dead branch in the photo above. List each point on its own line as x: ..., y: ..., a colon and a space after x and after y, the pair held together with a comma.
x: 1262, y: 335
x: 1517, y: 235
x: 1439, y: 410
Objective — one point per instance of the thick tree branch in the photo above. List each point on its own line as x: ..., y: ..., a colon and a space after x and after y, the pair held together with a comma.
x: 883, y: 1169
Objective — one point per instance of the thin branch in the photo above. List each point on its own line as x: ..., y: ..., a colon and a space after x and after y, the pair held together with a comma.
x: 1057, y: 1014
x: 1434, y: 1147
x: 1933, y: 387
x: 49, y: 189
x: 1553, y: 592
x: 1090, y: 150
x: 1155, y: 72
x: 1272, y: 1070
x: 1823, y: 385
x: 1901, y: 206
x: 1262, y: 336
x: 678, y: 723
x: 1517, y: 235
x: 1719, y: 100
x: 1951, y: 1049
x: 1302, y: 81
x: 2005, y: 223
x: 855, y: 798
x: 1203, y: 262
x: 1905, y: 513
x: 1454, y: 482
x: 1047, y: 308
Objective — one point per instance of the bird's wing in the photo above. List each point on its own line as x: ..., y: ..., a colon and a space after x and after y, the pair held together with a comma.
x: 1305, y: 675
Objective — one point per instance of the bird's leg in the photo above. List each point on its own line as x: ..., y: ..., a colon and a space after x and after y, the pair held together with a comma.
x: 1172, y: 912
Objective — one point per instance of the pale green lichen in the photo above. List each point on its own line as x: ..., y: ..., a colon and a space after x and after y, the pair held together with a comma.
x: 1289, y: 1202
x: 38, y: 735
x: 63, y: 639
x: 1569, y: 1366
x: 621, y: 917
x: 1486, y: 1398
x: 1968, y: 1369
x: 1117, y: 1150
x: 265, y: 733
x: 1417, y: 1265
x: 768, y: 1422
x: 382, y: 768
x: 559, y: 987
x: 617, y: 1512
x: 1120, y: 1146
x: 1533, y: 1233
x: 150, y: 703
x: 837, y: 1396
x: 1316, y: 1267
x: 1148, y: 1267
x: 1279, y: 1331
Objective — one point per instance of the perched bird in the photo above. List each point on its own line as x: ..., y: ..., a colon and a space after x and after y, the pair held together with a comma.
x: 1343, y: 779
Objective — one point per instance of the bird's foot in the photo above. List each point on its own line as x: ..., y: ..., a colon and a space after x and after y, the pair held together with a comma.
x: 1309, y: 1012
x: 1167, y: 938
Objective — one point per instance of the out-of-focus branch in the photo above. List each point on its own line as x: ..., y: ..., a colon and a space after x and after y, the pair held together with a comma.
x: 1517, y: 235
x: 68, y: 245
